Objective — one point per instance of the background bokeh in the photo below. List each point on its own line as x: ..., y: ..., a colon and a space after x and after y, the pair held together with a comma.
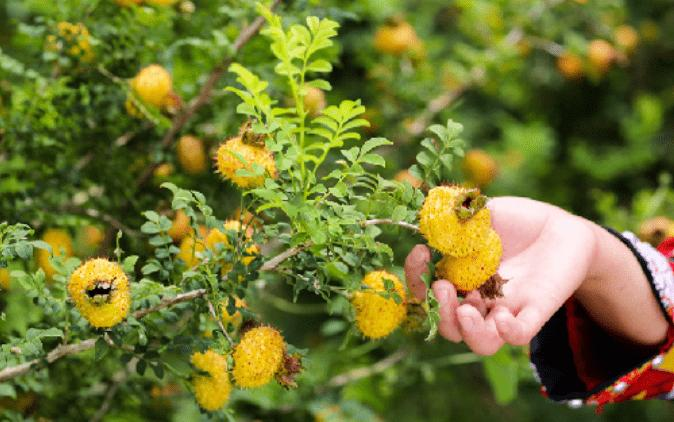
x: 569, y: 102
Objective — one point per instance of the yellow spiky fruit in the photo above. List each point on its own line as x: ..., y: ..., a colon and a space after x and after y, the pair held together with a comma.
x: 480, y: 167
x: 470, y: 272
x: 93, y: 236
x: 152, y: 84
x: 163, y: 171
x: 397, y: 38
x: 61, y: 244
x: 229, y: 160
x: 258, y: 357
x: 454, y: 220
x: 570, y: 66
x: 180, y: 226
x: 191, y: 154
x: 211, y: 391
x: 377, y: 316
x: 190, y: 246
x: 626, y: 37
x: 407, y: 176
x: 4, y: 279
x: 600, y: 54
x: 100, y: 290
x: 74, y: 39
x: 314, y: 101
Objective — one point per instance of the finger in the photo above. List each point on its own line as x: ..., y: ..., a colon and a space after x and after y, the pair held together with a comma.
x: 518, y: 330
x: 474, y: 298
x: 448, y: 326
x: 416, y: 264
x: 479, y: 334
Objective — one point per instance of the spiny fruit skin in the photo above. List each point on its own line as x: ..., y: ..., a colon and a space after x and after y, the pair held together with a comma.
x: 377, y: 316
x: 407, y: 176
x: 600, y: 54
x: 480, y: 167
x: 74, y: 38
x: 180, y: 226
x: 192, y: 154
x: 440, y: 224
x: 152, y: 84
x: 314, y: 101
x: 258, y: 357
x: 100, y: 290
x: 61, y: 244
x: 397, y: 39
x: 626, y: 37
x: 570, y: 66
x: 211, y: 391
x: 470, y: 272
x: 228, y: 162
x: 4, y: 279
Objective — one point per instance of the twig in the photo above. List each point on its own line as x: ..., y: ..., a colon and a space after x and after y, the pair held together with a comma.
x: 380, y: 221
x: 109, y: 397
x: 54, y: 355
x: 206, y: 91
x: 168, y: 302
x: 278, y: 259
x: 214, y: 314
x: 368, y: 371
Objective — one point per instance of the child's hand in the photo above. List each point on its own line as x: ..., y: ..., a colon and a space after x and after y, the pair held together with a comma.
x: 548, y: 255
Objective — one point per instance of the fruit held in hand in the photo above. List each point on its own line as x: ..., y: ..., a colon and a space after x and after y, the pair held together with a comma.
x: 455, y: 220
x: 378, y: 312
x: 472, y: 271
x: 100, y: 290
x: 211, y: 391
x: 258, y: 357
x: 153, y: 84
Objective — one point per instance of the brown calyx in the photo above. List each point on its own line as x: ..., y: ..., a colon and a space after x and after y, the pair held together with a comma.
x: 290, y: 368
x: 249, y: 137
x: 493, y: 287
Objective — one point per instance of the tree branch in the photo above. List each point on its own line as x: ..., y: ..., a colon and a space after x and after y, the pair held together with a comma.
x: 368, y: 371
x: 381, y: 221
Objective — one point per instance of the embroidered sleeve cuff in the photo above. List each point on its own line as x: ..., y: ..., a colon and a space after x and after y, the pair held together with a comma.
x: 578, y: 363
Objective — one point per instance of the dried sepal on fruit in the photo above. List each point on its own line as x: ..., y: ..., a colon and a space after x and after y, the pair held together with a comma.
x: 245, y: 152
x: 61, y: 244
x: 212, y: 389
x: 470, y: 272
x: 377, y: 311
x: 100, y: 290
x: 454, y: 220
x: 258, y: 357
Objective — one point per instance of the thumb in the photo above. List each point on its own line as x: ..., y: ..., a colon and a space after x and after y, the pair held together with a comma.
x: 416, y: 264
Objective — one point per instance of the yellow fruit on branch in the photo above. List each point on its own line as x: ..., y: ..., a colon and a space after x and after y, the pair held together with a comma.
x: 455, y: 220
x: 100, y: 290
x: 212, y: 390
x: 61, y: 244
x: 180, y: 226
x: 258, y: 357
x: 407, y: 176
x: 376, y: 314
x: 4, y: 279
x: 192, y: 154
x: 153, y: 84
x: 600, y: 54
x: 235, y: 154
x: 397, y: 38
x: 480, y: 168
x: 314, y: 101
x: 570, y: 65
x: 472, y: 271
x: 235, y: 318
x: 626, y: 37
x: 189, y: 248
x: 163, y: 171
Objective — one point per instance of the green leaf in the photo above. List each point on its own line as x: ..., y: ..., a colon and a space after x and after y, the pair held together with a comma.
x: 501, y: 372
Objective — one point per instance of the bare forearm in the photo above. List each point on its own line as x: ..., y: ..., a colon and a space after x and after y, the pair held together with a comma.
x: 617, y: 296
